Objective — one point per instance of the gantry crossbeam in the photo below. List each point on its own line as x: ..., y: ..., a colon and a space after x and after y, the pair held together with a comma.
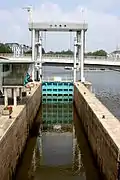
x: 58, y: 26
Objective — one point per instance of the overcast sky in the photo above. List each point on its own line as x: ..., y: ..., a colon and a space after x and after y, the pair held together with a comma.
x: 103, y: 18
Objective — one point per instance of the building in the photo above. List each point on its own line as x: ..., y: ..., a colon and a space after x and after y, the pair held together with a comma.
x: 18, y: 49
x: 114, y: 54
x: 26, y: 48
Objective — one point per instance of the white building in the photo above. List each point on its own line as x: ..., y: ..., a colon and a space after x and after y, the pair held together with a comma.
x: 18, y: 49
x: 116, y: 53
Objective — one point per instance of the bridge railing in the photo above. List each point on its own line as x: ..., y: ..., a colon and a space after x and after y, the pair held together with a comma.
x: 12, y: 55
x: 61, y: 79
x: 72, y: 56
x: 60, y: 56
x: 63, y: 56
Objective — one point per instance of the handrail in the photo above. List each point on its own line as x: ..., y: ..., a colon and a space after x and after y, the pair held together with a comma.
x: 59, y: 56
x: 63, y: 79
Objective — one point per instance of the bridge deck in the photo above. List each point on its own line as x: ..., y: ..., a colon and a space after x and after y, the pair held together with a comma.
x: 63, y: 60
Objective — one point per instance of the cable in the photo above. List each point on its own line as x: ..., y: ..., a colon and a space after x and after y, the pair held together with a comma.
x: 45, y: 40
x: 45, y: 51
x: 70, y: 40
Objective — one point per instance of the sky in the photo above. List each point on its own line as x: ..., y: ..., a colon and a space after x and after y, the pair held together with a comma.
x: 102, y: 16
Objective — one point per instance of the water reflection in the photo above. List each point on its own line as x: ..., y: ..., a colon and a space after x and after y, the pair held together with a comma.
x: 78, y: 167
x: 59, y: 150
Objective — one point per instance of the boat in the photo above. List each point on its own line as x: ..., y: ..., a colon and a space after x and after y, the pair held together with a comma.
x: 68, y: 68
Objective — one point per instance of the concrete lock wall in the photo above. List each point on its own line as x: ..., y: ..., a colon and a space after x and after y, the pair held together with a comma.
x: 102, y: 130
x: 13, y: 141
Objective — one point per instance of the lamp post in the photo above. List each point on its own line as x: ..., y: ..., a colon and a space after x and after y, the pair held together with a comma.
x: 30, y: 13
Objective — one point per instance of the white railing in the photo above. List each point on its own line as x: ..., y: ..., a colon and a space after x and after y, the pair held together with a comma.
x: 61, y: 79
x: 71, y: 56
x: 51, y: 58
x: 60, y: 56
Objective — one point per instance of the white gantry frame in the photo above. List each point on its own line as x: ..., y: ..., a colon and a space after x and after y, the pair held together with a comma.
x: 79, y: 45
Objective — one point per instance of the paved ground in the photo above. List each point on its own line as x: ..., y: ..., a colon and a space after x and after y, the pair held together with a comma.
x: 1, y: 109
x: 5, y: 121
x: 10, y: 102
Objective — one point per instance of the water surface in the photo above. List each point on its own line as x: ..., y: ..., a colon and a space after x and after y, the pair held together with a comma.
x: 59, y: 151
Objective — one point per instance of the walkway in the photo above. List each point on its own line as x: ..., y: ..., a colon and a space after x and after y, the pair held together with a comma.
x: 63, y: 60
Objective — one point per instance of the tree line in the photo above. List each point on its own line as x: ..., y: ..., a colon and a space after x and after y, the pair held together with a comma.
x: 6, y: 49
x: 69, y: 52
x: 97, y: 53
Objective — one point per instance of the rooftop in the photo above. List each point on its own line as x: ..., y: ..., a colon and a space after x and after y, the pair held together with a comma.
x: 116, y: 52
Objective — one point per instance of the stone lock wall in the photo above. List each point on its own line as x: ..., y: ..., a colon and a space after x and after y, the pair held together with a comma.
x: 102, y: 130
x: 14, y: 138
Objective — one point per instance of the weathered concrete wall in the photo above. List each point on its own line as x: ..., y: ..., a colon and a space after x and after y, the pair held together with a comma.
x: 102, y: 129
x: 14, y: 133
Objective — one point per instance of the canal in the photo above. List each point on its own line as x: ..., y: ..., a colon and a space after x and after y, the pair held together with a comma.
x: 59, y: 147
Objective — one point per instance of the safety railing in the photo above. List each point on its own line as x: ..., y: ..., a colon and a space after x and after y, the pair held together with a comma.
x: 64, y: 56
x: 60, y: 79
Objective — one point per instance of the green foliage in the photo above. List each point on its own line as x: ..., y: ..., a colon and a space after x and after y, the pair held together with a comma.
x: 97, y: 53
x: 5, y: 49
x: 30, y: 51
x: 68, y: 52
x: 89, y: 54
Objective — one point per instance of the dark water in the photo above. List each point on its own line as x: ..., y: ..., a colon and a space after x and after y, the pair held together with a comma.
x: 58, y: 151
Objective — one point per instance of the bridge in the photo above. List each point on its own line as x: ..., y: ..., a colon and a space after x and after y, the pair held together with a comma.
x: 63, y: 60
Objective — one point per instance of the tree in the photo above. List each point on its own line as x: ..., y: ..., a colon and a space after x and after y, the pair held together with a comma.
x: 89, y: 54
x: 5, y: 49
x: 68, y: 52
x: 50, y: 52
x: 30, y: 51
x: 100, y: 53
x: 97, y: 53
